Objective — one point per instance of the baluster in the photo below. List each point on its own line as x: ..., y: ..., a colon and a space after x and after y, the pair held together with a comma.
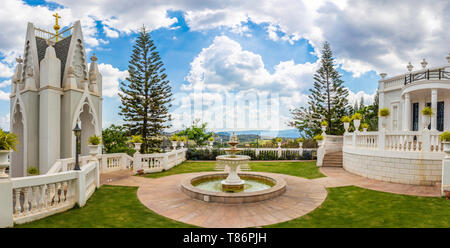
x: 57, y: 193
x: 63, y: 192
x: 17, y: 207
x: 50, y: 188
x: 34, y: 200
x: 42, y: 197
x: 26, y: 204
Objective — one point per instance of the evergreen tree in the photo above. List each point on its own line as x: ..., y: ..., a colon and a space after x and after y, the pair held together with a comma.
x: 327, y: 101
x: 146, y: 94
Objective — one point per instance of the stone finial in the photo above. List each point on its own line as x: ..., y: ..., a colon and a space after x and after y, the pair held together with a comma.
x: 410, y: 66
x: 424, y: 63
x: 448, y: 58
x: 93, y: 58
x: 383, y: 75
x: 19, y: 60
x: 71, y: 72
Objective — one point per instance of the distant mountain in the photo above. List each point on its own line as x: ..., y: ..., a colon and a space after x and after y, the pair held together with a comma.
x: 287, y: 133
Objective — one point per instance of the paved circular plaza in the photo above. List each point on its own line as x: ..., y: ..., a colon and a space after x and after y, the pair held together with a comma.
x: 164, y: 196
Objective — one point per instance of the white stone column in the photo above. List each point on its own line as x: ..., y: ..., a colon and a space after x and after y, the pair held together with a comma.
x: 380, y: 101
x: 407, y: 113
x: 434, y: 108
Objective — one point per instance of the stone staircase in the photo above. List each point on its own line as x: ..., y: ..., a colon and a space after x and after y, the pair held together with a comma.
x: 333, y: 159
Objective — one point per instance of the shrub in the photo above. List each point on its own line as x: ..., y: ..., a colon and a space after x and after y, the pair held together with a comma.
x: 364, y: 125
x: 318, y: 137
x: 183, y: 139
x: 445, y: 136
x: 94, y: 140
x: 384, y: 112
x: 324, y: 123
x: 8, y: 141
x: 427, y: 111
x: 211, y: 139
x: 33, y: 171
x: 300, y: 140
x: 174, y: 138
x: 345, y: 119
x: 278, y: 139
x: 357, y: 116
x: 136, y: 139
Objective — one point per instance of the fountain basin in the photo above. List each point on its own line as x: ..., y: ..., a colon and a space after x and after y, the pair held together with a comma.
x: 276, y: 183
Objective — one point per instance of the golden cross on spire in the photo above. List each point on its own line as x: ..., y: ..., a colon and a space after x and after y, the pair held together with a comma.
x: 56, y: 27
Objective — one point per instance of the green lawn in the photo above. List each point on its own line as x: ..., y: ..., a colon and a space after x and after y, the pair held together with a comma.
x: 110, y: 206
x: 352, y: 206
x: 306, y: 169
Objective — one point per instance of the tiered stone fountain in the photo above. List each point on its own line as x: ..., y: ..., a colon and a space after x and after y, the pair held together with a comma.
x: 230, y: 187
x: 233, y: 183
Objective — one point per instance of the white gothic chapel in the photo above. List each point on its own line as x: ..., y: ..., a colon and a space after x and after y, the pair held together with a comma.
x: 53, y: 90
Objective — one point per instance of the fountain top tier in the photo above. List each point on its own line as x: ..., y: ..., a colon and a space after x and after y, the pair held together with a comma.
x: 234, y: 141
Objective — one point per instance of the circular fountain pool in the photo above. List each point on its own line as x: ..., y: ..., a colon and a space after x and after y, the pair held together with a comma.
x: 257, y: 187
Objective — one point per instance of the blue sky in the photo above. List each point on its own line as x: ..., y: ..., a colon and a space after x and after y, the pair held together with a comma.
x: 233, y: 49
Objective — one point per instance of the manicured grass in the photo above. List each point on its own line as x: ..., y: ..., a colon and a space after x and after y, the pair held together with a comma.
x: 307, y: 169
x: 357, y: 207
x: 110, y: 206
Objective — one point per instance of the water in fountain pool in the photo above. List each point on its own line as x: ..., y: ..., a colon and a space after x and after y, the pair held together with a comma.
x: 250, y: 185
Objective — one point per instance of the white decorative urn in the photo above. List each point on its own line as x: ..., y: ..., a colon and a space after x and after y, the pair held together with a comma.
x: 346, y: 126
x: 365, y: 129
x: 4, y: 163
x: 93, y: 151
x: 324, y: 128
x: 383, y: 122
x: 174, y: 144
x: 320, y: 143
x: 137, y: 147
x: 446, y: 148
x: 356, y: 123
x: 426, y: 122
x: 300, y: 144
x: 211, y: 143
x: 181, y: 144
x: 279, y: 144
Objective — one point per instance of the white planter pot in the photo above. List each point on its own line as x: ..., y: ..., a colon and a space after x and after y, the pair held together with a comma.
x: 446, y: 148
x: 383, y: 121
x: 137, y: 147
x: 300, y: 144
x: 320, y: 143
x: 4, y: 163
x: 181, y: 145
x: 174, y: 144
x: 93, y: 150
x: 356, y: 123
x: 211, y: 143
x: 364, y: 129
x: 346, y: 126
x: 426, y: 122
x: 324, y: 128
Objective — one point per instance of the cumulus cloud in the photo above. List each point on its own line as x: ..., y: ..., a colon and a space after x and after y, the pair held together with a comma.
x: 111, y: 77
x: 356, y: 97
x: 4, y: 122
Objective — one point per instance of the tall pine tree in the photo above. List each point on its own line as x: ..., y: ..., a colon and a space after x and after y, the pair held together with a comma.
x: 327, y: 101
x: 147, y: 95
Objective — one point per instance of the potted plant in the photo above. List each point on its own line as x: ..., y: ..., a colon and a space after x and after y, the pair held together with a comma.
x: 137, y: 141
x: 93, y: 143
x: 319, y: 139
x: 357, y: 117
x: 183, y: 139
x: 346, y: 120
x: 300, y: 142
x: 364, y: 126
x: 8, y: 142
x: 383, y: 113
x: 211, y: 141
x: 32, y: 171
x: 324, y: 125
x: 445, y: 138
x: 427, y: 112
x: 279, y: 140
x: 174, y: 139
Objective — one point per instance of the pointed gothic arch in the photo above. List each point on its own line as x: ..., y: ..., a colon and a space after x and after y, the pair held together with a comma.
x: 85, y: 114
x: 18, y: 125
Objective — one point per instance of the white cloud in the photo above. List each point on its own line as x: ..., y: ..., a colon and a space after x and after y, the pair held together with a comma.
x: 4, y: 95
x: 110, y: 79
x: 5, y: 83
x: 4, y: 122
x: 356, y: 97
x: 110, y: 32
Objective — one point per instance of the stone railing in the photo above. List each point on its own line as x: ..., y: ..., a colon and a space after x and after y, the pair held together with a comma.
x: 115, y: 161
x: 279, y: 150
x: 26, y: 199
x: 407, y: 141
x: 157, y: 162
